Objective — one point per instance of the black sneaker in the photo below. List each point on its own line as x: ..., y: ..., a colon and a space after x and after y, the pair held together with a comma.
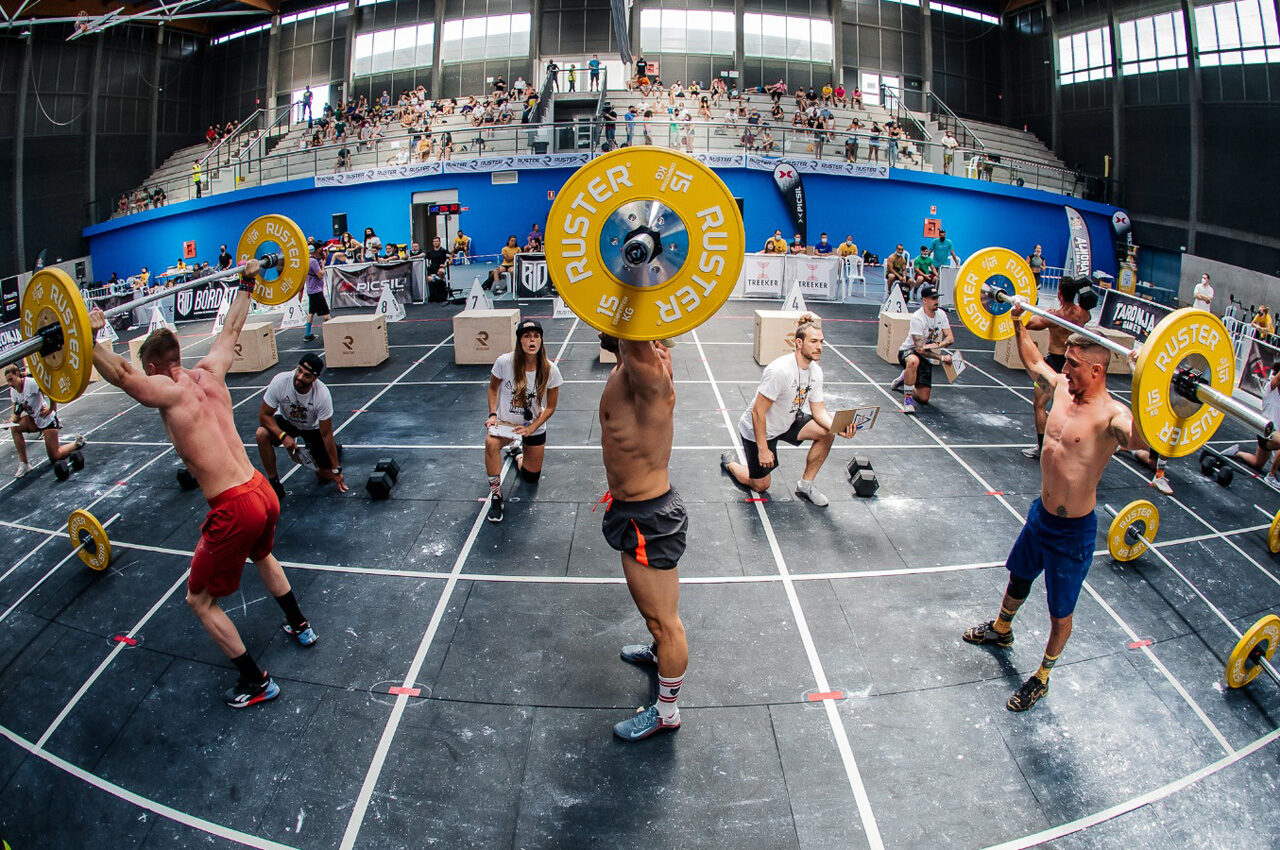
x: 984, y: 633
x: 243, y: 696
x: 495, y: 508
x: 1028, y: 695
x: 278, y: 487
x: 309, y: 337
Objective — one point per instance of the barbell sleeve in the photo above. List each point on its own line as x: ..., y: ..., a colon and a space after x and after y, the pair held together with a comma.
x: 1188, y: 384
x: 1132, y: 533
x: 267, y: 261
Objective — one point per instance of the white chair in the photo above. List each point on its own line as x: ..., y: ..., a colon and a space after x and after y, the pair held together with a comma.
x: 851, y: 269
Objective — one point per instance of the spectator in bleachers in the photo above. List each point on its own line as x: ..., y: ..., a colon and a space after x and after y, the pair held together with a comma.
x: 532, y: 245
x: 766, y: 141
x: 350, y: 247
x: 343, y: 162
x: 717, y: 90
x: 819, y: 140
x: 211, y: 136
x: 827, y: 93
x: 415, y: 250
x: 535, y: 232
x: 894, y: 136
x: 372, y: 244
x: 837, y: 95
x: 159, y: 197
x: 553, y: 71
x: 445, y: 151
x: 851, y: 146
x: 225, y: 260
x: 307, y: 97
x: 629, y: 117
x: 646, y: 128
x: 924, y: 270
x: 1264, y: 324
x: 949, y: 145
x: 1202, y: 296
x: 777, y: 90
x: 857, y: 98
x: 572, y: 78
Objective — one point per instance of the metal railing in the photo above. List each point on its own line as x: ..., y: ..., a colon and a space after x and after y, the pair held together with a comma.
x: 264, y: 160
x: 228, y: 146
x: 891, y: 99
x: 940, y: 113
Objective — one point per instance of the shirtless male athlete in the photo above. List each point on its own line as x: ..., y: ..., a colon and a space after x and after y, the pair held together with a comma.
x: 1071, y: 311
x: 195, y: 408
x: 645, y: 520
x: 1084, y: 428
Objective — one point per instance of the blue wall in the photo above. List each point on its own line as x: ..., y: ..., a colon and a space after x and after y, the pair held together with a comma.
x: 879, y: 214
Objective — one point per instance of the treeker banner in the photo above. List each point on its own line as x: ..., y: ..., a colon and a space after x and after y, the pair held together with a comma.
x: 761, y: 276
x: 360, y: 284
x: 1135, y: 316
x: 816, y: 276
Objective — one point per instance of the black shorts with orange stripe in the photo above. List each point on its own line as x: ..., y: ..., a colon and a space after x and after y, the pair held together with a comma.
x: 652, y: 531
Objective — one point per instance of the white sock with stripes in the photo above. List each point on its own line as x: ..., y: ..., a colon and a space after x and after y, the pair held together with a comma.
x: 668, y: 690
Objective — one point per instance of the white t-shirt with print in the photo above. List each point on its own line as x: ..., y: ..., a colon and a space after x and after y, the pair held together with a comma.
x: 791, y: 389
x: 929, y: 330
x: 1203, y: 296
x: 30, y: 401
x: 511, y: 409
x: 1271, y: 402
x: 304, y: 411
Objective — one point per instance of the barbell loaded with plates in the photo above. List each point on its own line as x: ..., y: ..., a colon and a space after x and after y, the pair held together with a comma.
x: 90, y: 539
x: 54, y: 324
x: 644, y: 243
x: 1185, y: 372
x: 1132, y: 529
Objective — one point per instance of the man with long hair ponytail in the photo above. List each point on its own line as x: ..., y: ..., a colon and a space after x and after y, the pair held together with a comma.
x: 524, y: 389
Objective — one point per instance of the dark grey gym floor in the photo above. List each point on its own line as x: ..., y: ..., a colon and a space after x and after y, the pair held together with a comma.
x: 829, y: 699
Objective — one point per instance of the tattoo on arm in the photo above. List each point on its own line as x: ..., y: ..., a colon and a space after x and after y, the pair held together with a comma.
x: 1044, y: 383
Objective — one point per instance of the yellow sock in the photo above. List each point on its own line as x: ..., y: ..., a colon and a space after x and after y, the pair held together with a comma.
x: 1004, y: 622
x: 1046, y: 665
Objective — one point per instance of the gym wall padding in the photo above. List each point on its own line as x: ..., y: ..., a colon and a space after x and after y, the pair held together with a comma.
x: 878, y: 212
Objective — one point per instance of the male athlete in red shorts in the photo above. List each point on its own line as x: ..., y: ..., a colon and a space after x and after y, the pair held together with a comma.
x: 196, y: 410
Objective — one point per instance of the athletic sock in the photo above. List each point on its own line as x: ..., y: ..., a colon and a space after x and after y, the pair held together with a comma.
x: 1004, y: 622
x: 1046, y: 665
x: 495, y: 485
x: 1040, y: 440
x: 308, y: 330
x: 668, y: 690
x: 910, y: 391
x: 250, y: 672
x: 289, y: 605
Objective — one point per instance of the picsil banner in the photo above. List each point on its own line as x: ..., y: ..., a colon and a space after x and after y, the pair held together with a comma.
x: 360, y: 285
x: 787, y: 178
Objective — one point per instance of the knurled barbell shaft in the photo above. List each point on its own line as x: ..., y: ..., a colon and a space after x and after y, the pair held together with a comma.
x: 1194, y: 390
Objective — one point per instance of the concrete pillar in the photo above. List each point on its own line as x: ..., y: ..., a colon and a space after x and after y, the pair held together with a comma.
x: 155, y: 101
x: 19, y: 142
x: 1195, y: 114
x: 437, y: 72
x: 273, y: 67
x: 837, y: 42
x: 1117, y: 98
x: 926, y: 49
x: 91, y: 166
x: 739, y: 50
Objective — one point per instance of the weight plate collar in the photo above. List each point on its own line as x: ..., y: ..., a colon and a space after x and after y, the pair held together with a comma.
x: 589, y: 270
x: 1173, y: 425
x: 51, y: 296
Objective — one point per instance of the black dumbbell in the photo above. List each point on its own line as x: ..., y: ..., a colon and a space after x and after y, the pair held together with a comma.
x: 379, y: 485
x: 1223, y: 474
x: 859, y: 463
x: 865, y: 483
x: 77, y: 460
x: 389, y: 466
x: 186, y: 480
x: 1208, y: 462
x: 61, y: 470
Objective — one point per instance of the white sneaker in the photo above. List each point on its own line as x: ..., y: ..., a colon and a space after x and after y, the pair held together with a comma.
x: 1272, y: 480
x: 23, y: 469
x: 1231, y: 450
x: 1162, y: 484
x: 909, y: 406
x: 812, y: 493
x: 898, y: 382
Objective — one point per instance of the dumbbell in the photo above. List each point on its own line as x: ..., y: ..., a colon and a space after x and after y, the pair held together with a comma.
x: 62, y: 469
x: 864, y: 479
x: 1214, y: 465
x: 385, y: 474
x: 186, y: 480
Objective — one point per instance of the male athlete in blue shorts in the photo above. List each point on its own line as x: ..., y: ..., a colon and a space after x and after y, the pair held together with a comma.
x: 1084, y: 429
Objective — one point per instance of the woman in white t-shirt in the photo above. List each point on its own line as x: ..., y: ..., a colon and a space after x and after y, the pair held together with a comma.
x: 524, y: 389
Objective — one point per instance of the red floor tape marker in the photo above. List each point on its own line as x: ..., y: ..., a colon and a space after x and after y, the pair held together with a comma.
x: 757, y: 500
x: 995, y: 492
x: 409, y: 692
x: 819, y: 697
x: 1139, y: 644
x: 125, y: 639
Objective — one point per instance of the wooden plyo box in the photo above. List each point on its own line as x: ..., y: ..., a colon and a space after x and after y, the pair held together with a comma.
x: 1007, y: 349
x: 256, y: 348
x: 359, y: 340
x: 892, y: 333
x: 480, y: 336
x: 775, y: 333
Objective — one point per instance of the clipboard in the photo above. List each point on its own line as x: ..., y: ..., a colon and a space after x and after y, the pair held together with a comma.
x: 503, y: 430
x: 862, y: 419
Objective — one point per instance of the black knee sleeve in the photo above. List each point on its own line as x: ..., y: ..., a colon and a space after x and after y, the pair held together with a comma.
x: 1019, y: 588
x: 530, y: 477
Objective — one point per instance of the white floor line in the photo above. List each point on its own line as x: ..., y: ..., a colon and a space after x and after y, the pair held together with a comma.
x: 138, y: 800
x: 614, y: 579
x: 115, y: 650
x: 856, y: 785
x: 361, y: 806
x: 73, y: 553
x: 1138, y: 802
x: 1111, y: 612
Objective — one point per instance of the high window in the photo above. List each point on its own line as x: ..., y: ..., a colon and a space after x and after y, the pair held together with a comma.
x: 1157, y: 43
x: 494, y: 37
x: 686, y: 31
x: 1237, y: 33
x: 1084, y: 56
x: 784, y: 37
x: 387, y: 50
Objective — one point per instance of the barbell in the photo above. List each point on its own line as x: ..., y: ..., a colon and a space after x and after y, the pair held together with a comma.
x: 90, y: 540
x: 58, y: 341
x: 1185, y: 372
x: 644, y: 243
